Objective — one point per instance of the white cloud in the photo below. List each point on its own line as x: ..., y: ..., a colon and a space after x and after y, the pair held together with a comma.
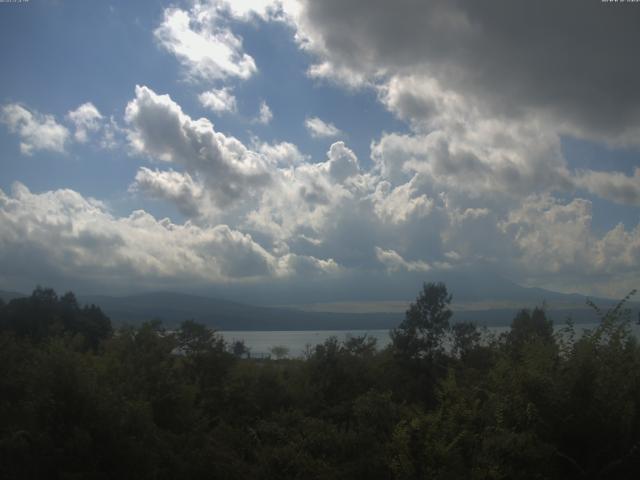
x: 614, y: 186
x: 551, y: 236
x: 62, y: 235
x: 343, y: 163
x: 402, y: 203
x: 460, y: 145
x: 341, y: 76
x: 462, y: 192
x: 218, y: 100
x: 204, y: 45
x: 175, y: 187
x: 393, y: 261
x: 245, y: 9
x: 558, y: 238
x: 317, y: 128
x: 311, y: 188
x: 160, y: 129
x: 36, y: 131
x: 281, y: 154
x: 112, y: 135
x: 86, y: 119
x: 265, y: 115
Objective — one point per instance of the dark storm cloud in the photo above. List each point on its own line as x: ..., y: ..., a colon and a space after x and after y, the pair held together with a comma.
x: 576, y: 60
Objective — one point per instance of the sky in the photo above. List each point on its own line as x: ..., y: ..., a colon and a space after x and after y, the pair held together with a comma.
x: 319, y: 151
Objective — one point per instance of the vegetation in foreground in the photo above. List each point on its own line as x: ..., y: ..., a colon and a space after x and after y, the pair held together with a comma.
x: 79, y: 400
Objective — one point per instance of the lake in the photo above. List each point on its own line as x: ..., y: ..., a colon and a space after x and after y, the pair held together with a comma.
x: 260, y: 342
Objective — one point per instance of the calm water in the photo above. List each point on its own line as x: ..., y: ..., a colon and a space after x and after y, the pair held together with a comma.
x: 260, y: 342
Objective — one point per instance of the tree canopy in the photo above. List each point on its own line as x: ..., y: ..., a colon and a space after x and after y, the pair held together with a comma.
x: 444, y: 400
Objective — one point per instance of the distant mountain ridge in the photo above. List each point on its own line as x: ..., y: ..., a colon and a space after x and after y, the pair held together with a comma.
x: 8, y: 296
x: 172, y: 308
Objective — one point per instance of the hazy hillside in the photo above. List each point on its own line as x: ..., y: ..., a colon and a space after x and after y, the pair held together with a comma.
x: 172, y: 308
x: 8, y: 296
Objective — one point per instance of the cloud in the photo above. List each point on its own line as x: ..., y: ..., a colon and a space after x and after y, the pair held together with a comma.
x: 86, y: 119
x: 614, y: 186
x: 160, y: 129
x: 36, y: 131
x: 264, y: 114
x: 315, y: 189
x: 220, y: 100
x: 62, y: 235
x: 343, y: 163
x: 317, y: 128
x: 433, y: 198
x: 553, y: 237
x: 460, y: 147
x: 112, y: 135
x: 204, y: 45
x: 446, y: 195
x: 402, y: 203
x: 175, y: 187
x: 393, y: 261
x: 477, y: 157
x: 245, y: 10
x: 282, y: 154
x: 512, y: 58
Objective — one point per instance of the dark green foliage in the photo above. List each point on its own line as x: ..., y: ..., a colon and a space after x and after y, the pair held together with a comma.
x: 442, y: 402
x: 466, y: 339
x: 422, y: 332
x: 239, y: 349
x: 530, y: 327
x: 43, y: 315
x: 419, y: 345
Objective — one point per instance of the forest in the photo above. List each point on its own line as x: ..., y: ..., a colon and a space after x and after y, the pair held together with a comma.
x: 80, y: 398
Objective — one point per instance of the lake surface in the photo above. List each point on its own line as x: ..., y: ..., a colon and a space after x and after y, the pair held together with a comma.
x: 297, y: 341
x: 260, y: 342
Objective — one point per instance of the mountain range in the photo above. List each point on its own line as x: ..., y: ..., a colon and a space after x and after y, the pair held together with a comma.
x: 481, y: 306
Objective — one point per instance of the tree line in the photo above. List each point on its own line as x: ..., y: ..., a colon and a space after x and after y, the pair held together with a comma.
x: 81, y: 399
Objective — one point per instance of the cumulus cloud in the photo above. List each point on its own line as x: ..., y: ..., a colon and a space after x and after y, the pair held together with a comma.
x: 175, y: 187
x: 86, y: 119
x: 315, y: 189
x: 556, y: 237
x: 487, y: 105
x: 37, y: 131
x: 265, y: 115
x: 460, y: 147
x: 393, y: 261
x: 205, y: 46
x: 478, y: 157
x: 476, y: 179
x: 218, y: 100
x: 614, y: 186
x: 245, y: 10
x: 318, y: 128
x: 282, y: 154
x: 343, y: 163
x: 160, y: 129
x: 61, y: 234
x: 402, y: 203
x: 112, y: 135
x: 514, y: 58
x: 434, y: 195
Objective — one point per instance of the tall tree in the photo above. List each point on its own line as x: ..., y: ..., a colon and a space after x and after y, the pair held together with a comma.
x: 422, y: 332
